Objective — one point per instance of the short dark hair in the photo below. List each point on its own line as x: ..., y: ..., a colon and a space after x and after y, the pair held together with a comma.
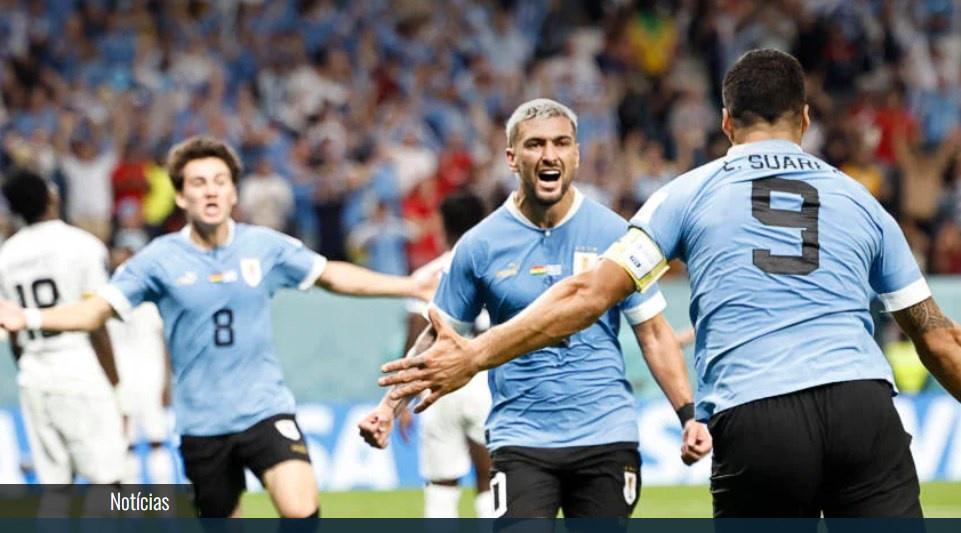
x: 200, y: 147
x: 27, y: 194
x: 460, y: 211
x: 764, y: 84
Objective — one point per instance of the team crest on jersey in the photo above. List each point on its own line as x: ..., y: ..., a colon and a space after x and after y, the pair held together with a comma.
x: 584, y: 261
x: 250, y: 271
x: 630, y: 486
x: 288, y: 429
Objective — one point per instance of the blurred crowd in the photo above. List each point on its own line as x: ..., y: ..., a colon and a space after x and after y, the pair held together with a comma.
x: 355, y: 119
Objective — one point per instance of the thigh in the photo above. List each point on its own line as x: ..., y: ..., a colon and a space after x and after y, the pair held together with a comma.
x: 93, y: 429
x: 292, y: 488
x: 523, y: 486
x: 51, y: 460
x: 767, y: 458
x: 870, y: 471
x: 443, y: 450
x: 212, y: 465
x: 604, y: 484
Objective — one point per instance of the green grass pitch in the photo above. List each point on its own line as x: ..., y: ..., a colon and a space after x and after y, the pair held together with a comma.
x: 940, y: 500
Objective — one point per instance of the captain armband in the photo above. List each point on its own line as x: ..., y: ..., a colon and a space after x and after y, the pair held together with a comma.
x: 640, y: 256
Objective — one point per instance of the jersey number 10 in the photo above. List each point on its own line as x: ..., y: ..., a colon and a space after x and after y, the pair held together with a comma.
x: 45, y: 294
x: 806, y: 219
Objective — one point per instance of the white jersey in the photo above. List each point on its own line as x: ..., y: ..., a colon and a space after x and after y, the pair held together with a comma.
x: 46, y: 264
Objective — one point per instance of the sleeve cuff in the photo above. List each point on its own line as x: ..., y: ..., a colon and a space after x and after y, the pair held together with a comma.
x: 416, y: 307
x: 116, y: 299
x: 461, y: 327
x: 647, y: 310
x: 914, y: 293
x: 320, y: 263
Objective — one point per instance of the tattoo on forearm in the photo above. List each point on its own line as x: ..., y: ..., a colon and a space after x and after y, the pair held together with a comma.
x: 926, y: 316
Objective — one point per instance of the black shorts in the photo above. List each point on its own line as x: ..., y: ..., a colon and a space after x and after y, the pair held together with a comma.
x: 839, y: 449
x: 215, y: 465
x: 584, y: 481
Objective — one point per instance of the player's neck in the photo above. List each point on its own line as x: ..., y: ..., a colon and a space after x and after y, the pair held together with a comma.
x: 540, y: 215
x: 209, y: 238
x: 764, y: 133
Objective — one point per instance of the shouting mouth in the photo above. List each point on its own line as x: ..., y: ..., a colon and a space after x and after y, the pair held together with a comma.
x: 549, y: 175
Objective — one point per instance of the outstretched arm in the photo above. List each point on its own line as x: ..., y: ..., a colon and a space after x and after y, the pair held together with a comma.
x: 345, y: 278
x: 938, y: 341
x: 87, y: 315
x: 567, y: 307
x: 376, y: 426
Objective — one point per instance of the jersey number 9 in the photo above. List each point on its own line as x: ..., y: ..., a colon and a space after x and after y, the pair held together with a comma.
x: 806, y: 219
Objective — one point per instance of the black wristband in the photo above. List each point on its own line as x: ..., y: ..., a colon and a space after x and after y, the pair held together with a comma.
x: 685, y: 413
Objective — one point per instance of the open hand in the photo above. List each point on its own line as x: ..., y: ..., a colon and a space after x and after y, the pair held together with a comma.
x: 443, y: 368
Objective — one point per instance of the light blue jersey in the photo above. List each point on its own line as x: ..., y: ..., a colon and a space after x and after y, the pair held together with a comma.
x: 785, y: 254
x: 215, y: 306
x: 574, y: 394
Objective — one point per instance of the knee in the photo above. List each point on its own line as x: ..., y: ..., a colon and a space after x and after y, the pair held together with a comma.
x: 304, y: 506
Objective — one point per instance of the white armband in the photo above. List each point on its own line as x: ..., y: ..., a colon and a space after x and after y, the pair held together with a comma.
x: 33, y: 318
x: 640, y: 256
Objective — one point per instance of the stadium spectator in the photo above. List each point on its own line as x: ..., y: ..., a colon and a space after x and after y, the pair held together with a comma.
x: 825, y: 405
x: 266, y: 198
x: 562, y: 431
x: 212, y: 283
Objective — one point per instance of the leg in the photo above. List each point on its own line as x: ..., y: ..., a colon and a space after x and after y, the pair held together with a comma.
x: 444, y: 457
x: 51, y: 460
x: 523, y: 485
x: 292, y: 488
x: 212, y: 466
x: 93, y: 429
x: 604, y: 482
x: 275, y: 450
x: 871, y: 472
x: 484, y: 501
x: 768, y: 459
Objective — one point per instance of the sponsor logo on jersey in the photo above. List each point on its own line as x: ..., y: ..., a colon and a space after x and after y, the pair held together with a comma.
x: 542, y: 270
x: 288, y: 429
x: 250, y: 270
x: 188, y: 278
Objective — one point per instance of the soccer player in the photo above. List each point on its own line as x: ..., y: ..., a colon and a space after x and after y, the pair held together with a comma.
x: 66, y: 380
x: 212, y: 283
x: 785, y: 254
x: 451, y: 434
x: 563, y: 427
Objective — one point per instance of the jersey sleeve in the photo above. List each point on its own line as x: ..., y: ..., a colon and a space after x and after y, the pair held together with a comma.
x: 296, y: 265
x: 661, y: 217
x: 457, y: 297
x: 640, y: 307
x: 895, y: 275
x: 133, y: 283
x: 92, y: 264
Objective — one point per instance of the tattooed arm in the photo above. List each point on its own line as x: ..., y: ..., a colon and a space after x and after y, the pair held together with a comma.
x: 938, y: 341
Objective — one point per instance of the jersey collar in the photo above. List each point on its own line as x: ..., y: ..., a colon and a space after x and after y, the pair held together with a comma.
x: 772, y: 145
x: 516, y: 213
x: 185, y: 233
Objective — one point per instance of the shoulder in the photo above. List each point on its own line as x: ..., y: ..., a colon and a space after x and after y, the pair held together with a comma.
x: 249, y: 234
x: 84, y: 241
x: 479, y: 238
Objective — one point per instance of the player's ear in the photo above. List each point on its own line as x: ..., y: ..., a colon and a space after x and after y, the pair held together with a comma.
x: 511, y: 158
x: 726, y: 125
x: 805, y: 119
x: 180, y: 200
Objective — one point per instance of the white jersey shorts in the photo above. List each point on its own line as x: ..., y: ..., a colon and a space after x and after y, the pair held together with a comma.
x: 446, y: 427
x: 72, y: 434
